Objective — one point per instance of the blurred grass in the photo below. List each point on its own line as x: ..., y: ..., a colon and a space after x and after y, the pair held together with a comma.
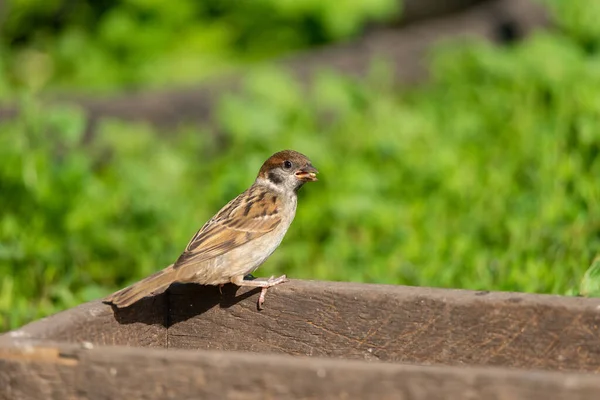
x: 111, y: 45
x: 484, y: 178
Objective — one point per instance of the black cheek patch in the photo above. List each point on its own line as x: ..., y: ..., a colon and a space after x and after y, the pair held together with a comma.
x: 275, y: 178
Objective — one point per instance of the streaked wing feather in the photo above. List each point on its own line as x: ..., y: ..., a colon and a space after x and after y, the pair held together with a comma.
x: 245, y: 218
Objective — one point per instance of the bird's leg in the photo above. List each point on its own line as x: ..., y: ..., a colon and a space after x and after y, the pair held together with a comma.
x: 272, y: 281
x: 263, y: 284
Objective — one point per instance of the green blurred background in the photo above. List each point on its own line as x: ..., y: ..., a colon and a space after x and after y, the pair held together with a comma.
x: 485, y: 177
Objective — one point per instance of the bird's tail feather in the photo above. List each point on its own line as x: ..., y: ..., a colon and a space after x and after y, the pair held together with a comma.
x: 150, y: 286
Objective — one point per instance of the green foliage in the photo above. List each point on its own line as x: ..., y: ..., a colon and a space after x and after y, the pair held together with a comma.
x: 590, y: 284
x: 579, y: 19
x: 74, y: 223
x: 485, y: 178
x: 116, y: 44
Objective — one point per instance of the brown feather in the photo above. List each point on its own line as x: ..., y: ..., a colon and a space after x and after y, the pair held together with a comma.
x: 249, y: 216
x: 278, y: 158
x: 245, y: 218
x: 150, y: 286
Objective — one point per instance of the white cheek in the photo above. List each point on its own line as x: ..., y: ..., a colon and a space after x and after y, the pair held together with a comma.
x: 270, y: 185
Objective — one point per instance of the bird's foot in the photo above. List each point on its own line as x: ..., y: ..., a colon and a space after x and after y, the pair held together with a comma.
x: 272, y: 281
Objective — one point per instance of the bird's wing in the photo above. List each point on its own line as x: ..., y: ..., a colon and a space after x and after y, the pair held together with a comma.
x: 245, y: 218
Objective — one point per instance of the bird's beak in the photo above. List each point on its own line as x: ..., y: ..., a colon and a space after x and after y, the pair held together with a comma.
x: 307, y: 174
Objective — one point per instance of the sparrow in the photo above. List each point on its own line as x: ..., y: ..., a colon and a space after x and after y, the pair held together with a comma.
x: 239, y: 238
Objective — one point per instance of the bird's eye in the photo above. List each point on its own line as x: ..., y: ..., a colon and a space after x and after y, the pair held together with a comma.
x: 287, y: 164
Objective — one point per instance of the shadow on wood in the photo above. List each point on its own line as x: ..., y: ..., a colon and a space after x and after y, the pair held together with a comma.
x: 145, y: 311
x: 148, y: 310
x: 350, y: 321
x: 339, y: 334
x: 399, y: 324
x: 193, y: 301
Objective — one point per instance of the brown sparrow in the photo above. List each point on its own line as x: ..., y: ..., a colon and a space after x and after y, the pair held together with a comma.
x: 239, y: 238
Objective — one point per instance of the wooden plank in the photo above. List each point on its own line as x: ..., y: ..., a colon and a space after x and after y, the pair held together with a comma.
x: 142, y: 325
x: 352, y: 321
x: 47, y: 371
x: 392, y: 323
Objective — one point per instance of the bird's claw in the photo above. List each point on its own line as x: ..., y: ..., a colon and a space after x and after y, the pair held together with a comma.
x: 272, y: 281
x: 261, y: 298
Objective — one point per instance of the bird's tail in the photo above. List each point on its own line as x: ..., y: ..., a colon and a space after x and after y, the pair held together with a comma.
x: 150, y: 286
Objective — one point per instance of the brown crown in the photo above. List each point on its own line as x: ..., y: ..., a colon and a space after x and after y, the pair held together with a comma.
x: 277, y: 159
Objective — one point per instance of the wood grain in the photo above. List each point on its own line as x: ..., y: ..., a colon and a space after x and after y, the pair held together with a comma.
x: 94, y: 322
x: 394, y: 323
x: 49, y: 371
x: 350, y: 321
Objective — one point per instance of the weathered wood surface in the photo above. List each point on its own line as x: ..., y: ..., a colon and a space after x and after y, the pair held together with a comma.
x: 394, y: 323
x: 426, y: 23
x: 142, y: 325
x: 351, y: 321
x: 50, y: 371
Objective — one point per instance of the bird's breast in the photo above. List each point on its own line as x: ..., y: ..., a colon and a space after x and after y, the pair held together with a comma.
x: 248, y: 257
